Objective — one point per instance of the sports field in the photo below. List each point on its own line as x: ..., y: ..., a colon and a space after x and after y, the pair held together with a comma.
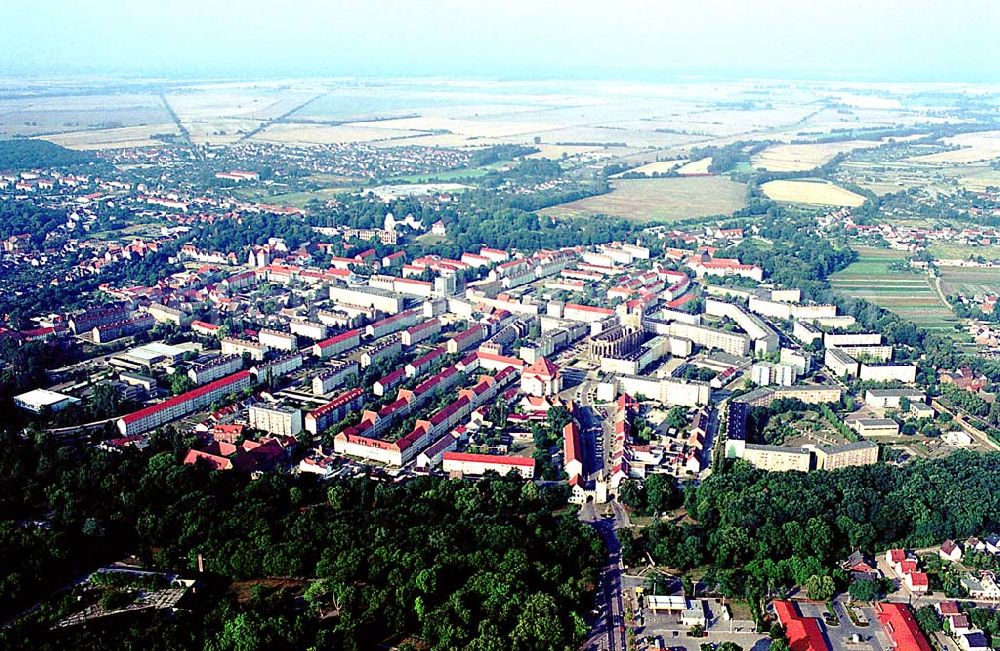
x: 669, y: 199
x: 909, y: 295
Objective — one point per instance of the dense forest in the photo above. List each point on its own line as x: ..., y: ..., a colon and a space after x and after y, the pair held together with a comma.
x: 760, y: 532
x: 28, y: 153
x: 20, y: 217
x: 471, y: 565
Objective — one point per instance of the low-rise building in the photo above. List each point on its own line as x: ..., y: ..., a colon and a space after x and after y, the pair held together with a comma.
x: 478, y: 464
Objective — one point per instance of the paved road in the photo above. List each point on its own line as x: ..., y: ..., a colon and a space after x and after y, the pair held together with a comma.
x: 959, y: 418
x: 609, y: 628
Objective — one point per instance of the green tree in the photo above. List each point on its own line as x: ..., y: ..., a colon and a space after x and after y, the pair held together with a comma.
x: 820, y: 587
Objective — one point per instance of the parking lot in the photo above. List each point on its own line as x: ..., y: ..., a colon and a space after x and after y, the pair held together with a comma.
x: 841, y: 631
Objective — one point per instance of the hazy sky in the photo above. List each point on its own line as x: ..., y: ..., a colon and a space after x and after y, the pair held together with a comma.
x: 859, y: 39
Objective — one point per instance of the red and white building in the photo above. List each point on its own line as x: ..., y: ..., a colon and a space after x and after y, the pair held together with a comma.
x: 149, y: 418
x: 542, y: 378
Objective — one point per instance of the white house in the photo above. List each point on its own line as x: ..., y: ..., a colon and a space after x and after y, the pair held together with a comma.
x: 950, y: 551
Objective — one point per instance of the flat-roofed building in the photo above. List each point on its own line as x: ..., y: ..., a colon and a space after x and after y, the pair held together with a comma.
x: 333, y: 376
x: 883, y: 373
x: 235, y: 346
x: 734, y: 343
x: 777, y: 459
x: 840, y: 363
x: 891, y: 398
x: 478, y: 464
x: 277, y: 339
x: 832, y: 457
x: 308, y: 329
x: 874, y: 426
x: 39, y: 400
x: 276, y: 419
x: 380, y: 299
x: 220, y: 366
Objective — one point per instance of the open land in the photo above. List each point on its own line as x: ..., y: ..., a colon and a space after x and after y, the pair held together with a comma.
x: 972, y: 148
x: 806, y: 156
x: 113, y: 138
x: 815, y: 192
x: 668, y: 199
x: 908, y: 294
x: 970, y: 281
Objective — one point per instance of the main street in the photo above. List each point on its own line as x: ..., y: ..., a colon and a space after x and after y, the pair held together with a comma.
x: 608, y: 633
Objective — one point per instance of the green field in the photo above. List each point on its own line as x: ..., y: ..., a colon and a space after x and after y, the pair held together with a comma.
x: 664, y: 199
x: 969, y: 281
x: 909, y: 295
x: 963, y: 251
x: 448, y: 175
x: 293, y: 199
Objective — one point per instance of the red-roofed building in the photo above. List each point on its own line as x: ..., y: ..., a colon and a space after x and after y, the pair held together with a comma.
x: 542, y: 378
x: 334, y: 411
x: 337, y: 344
x: 803, y: 633
x: 917, y: 582
x: 152, y: 417
x: 901, y: 627
x: 572, y: 450
x: 466, y: 339
x: 213, y: 461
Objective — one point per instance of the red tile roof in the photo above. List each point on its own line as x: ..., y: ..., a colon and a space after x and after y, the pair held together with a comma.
x: 336, y: 339
x: 543, y: 368
x: 803, y: 633
x: 898, y: 622
x: 184, y: 397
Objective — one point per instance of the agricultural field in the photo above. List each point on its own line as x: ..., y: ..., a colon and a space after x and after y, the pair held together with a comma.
x: 670, y: 199
x: 814, y: 192
x: 113, y: 138
x: 803, y: 157
x: 695, y: 167
x: 291, y: 199
x: 969, y: 281
x: 950, y: 251
x: 656, y: 167
x: 973, y: 148
x: 321, y: 134
x: 908, y: 294
x: 34, y: 116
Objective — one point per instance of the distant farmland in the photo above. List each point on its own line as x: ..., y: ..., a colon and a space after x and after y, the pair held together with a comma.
x: 816, y: 192
x: 668, y: 199
x: 970, y: 281
x: 909, y: 295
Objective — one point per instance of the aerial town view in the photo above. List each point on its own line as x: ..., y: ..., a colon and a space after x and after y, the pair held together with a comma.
x: 433, y: 326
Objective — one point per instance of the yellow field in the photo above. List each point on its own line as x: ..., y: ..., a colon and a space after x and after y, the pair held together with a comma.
x: 799, y: 158
x: 695, y: 167
x: 112, y: 138
x: 975, y: 147
x: 811, y: 191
